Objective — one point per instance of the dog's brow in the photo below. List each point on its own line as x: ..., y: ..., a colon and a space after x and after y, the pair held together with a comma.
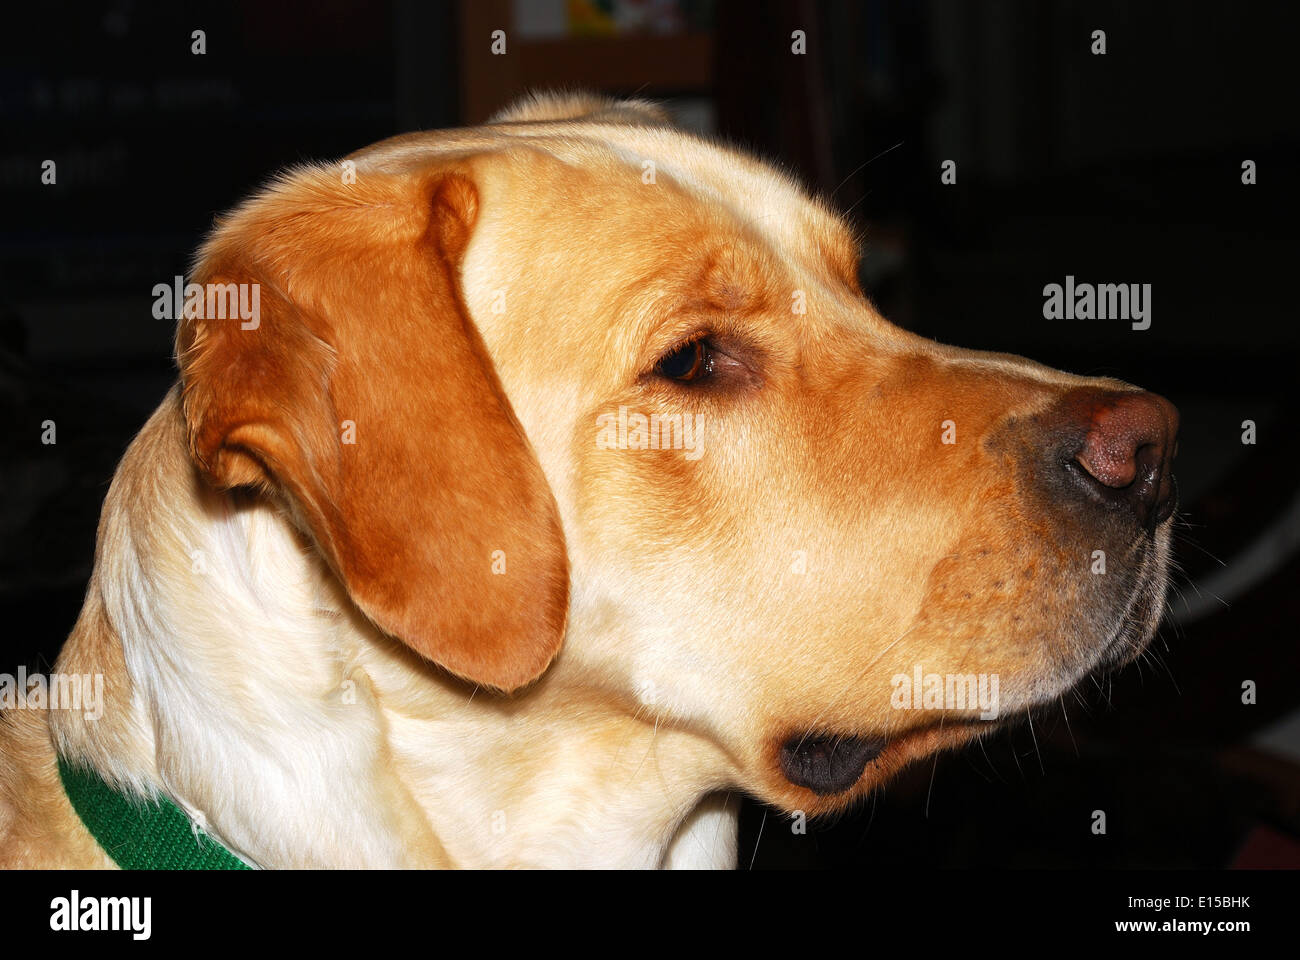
x: 734, y: 279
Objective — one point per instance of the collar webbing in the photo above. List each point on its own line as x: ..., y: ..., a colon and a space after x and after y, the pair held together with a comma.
x: 139, y: 834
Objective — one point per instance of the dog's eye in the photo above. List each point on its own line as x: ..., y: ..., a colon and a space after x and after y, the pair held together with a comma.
x: 691, y: 361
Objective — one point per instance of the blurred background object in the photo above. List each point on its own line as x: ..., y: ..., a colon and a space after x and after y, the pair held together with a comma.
x: 1125, y: 167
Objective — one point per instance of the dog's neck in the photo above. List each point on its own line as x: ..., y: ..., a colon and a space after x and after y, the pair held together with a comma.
x: 243, y: 684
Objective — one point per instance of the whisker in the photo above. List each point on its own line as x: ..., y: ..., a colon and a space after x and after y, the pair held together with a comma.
x: 758, y: 840
x: 864, y: 166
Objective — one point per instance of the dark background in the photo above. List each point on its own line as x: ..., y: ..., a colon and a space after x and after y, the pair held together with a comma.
x: 1122, y: 168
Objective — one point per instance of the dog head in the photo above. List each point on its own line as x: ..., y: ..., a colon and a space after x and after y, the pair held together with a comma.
x: 824, y: 543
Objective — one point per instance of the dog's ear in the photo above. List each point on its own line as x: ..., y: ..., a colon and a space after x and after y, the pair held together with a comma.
x: 354, y: 383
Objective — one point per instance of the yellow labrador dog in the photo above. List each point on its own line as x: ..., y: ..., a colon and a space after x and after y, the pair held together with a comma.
x: 559, y: 484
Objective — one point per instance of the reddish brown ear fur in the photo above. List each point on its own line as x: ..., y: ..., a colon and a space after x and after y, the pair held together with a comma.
x: 362, y: 320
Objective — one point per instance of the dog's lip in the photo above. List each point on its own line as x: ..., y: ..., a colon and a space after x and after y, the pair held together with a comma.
x: 1130, y: 636
x: 825, y: 763
x: 850, y: 759
x: 1134, y: 626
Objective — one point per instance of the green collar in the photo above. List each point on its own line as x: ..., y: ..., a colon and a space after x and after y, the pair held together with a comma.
x: 137, y: 834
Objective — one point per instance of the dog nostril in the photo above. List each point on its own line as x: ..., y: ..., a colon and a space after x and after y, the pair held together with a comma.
x: 1127, y: 449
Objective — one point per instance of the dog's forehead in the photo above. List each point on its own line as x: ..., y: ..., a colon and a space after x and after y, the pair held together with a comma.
x: 762, y: 201
x: 765, y: 199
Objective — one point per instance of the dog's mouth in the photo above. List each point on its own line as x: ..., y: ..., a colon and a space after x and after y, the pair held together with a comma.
x: 830, y: 764
x: 827, y: 764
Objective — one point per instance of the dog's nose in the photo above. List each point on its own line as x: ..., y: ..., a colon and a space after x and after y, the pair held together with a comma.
x: 1127, y: 448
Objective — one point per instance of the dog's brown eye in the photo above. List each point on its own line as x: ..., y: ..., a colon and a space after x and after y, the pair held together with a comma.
x: 691, y: 361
